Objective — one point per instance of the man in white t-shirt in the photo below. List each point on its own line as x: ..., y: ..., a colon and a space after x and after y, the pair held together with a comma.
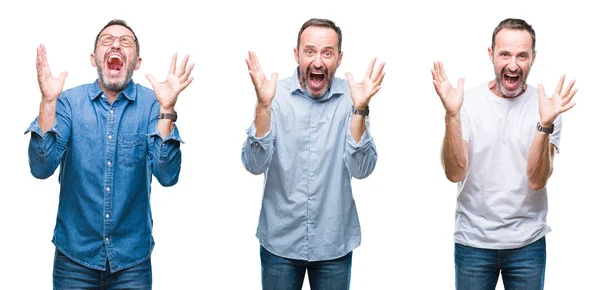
x: 500, y: 140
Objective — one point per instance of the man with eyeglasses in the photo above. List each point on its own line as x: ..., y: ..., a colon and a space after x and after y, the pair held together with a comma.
x: 109, y: 138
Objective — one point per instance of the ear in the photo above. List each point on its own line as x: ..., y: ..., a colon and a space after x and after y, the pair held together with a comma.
x: 491, y: 54
x: 93, y: 59
x: 296, y: 55
x: 533, y: 58
x: 339, y: 61
x: 138, y: 63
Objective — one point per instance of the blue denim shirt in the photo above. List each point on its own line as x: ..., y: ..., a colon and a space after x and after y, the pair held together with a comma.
x: 308, y: 158
x: 107, y: 155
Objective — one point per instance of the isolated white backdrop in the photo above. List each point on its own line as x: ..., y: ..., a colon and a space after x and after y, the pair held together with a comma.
x: 204, y: 226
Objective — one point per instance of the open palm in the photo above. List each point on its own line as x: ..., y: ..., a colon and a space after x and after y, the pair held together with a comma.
x: 558, y: 103
x: 177, y: 80
x: 51, y: 87
x: 362, y: 92
x: 452, y: 98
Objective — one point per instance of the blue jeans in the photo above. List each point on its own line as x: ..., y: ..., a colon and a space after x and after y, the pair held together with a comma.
x: 521, y: 268
x: 71, y: 275
x: 280, y: 273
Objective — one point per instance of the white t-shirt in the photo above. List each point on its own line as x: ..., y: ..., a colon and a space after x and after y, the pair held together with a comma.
x: 496, y: 208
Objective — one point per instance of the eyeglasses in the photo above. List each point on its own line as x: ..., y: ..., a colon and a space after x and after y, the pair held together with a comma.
x: 124, y: 40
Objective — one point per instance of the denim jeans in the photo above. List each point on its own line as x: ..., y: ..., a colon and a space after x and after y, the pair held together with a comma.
x: 280, y: 273
x: 71, y: 275
x: 522, y: 268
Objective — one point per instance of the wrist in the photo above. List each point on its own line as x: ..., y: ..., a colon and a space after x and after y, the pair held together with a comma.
x: 452, y: 117
x: 548, y: 129
x: 167, y: 110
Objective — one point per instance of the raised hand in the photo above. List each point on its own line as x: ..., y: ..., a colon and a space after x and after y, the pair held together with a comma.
x: 177, y: 80
x: 265, y: 89
x: 452, y: 98
x: 361, y: 93
x: 50, y: 86
x: 558, y: 103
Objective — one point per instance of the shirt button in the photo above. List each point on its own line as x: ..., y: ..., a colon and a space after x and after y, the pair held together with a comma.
x: 106, y: 239
x: 109, y: 137
x: 111, y: 111
x: 107, y: 215
x: 107, y: 189
x: 163, y: 145
x: 108, y: 163
x: 313, y: 125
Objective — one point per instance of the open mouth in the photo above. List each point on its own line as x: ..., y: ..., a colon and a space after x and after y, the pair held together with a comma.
x: 316, y: 79
x: 114, y: 63
x: 512, y: 80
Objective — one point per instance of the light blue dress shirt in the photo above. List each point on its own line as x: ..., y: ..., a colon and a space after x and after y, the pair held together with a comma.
x: 308, y: 158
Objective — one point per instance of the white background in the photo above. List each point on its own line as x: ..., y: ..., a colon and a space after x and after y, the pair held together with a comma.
x: 204, y: 226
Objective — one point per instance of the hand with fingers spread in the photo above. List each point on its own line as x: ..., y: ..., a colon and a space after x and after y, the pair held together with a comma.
x: 361, y: 93
x: 558, y: 103
x: 452, y: 98
x: 50, y: 86
x: 265, y: 88
x: 177, y: 80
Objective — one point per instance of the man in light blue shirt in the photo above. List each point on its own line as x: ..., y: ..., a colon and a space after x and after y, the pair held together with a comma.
x: 109, y: 137
x: 310, y: 136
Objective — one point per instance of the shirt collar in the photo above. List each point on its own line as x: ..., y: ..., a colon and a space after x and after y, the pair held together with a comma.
x: 129, y: 92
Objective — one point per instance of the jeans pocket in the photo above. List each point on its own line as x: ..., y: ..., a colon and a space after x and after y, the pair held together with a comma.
x: 132, y: 149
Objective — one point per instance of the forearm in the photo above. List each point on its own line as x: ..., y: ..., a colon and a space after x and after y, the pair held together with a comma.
x: 539, y: 161
x: 358, y: 126
x: 454, y: 150
x: 262, y: 120
x: 47, y: 115
x: 165, y: 126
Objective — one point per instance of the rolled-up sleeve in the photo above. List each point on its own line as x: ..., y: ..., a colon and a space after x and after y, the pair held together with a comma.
x: 46, y: 148
x: 165, y: 154
x: 258, y: 152
x: 361, y: 157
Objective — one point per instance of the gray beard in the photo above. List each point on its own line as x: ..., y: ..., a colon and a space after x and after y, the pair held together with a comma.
x: 506, y: 93
x: 118, y: 86
x: 325, y: 91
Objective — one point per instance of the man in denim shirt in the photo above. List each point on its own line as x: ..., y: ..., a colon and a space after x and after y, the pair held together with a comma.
x: 109, y: 137
x: 310, y: 136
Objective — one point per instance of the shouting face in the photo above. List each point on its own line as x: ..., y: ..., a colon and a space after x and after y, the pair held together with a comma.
x: 318, y: 56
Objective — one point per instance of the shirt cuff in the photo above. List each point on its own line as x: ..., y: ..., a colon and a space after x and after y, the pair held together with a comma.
x: 365, y: 141
x: 34, y: 127
x: 174, y: 135
x: 263, y: 141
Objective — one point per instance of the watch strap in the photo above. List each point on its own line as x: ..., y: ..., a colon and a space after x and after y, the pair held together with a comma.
x: 364, y: 112
x: 548, y: 130
x: 168, y: 116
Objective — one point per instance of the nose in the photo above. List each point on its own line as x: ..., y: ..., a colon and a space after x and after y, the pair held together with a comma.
x: 512, y: 65
x: 318, y: 62
x: 116, y: 43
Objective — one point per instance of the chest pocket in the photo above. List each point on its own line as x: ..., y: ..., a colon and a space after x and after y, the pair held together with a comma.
x: 132, y: 149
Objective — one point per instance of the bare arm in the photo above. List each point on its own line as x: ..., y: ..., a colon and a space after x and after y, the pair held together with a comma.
x: 541, y: 152
x: 539, y: 161
x: 454, y: 149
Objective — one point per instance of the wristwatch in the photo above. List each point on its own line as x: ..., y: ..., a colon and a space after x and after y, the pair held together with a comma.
x: 364, y: 112
x: 548, y: 130
x: 168, y: 116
